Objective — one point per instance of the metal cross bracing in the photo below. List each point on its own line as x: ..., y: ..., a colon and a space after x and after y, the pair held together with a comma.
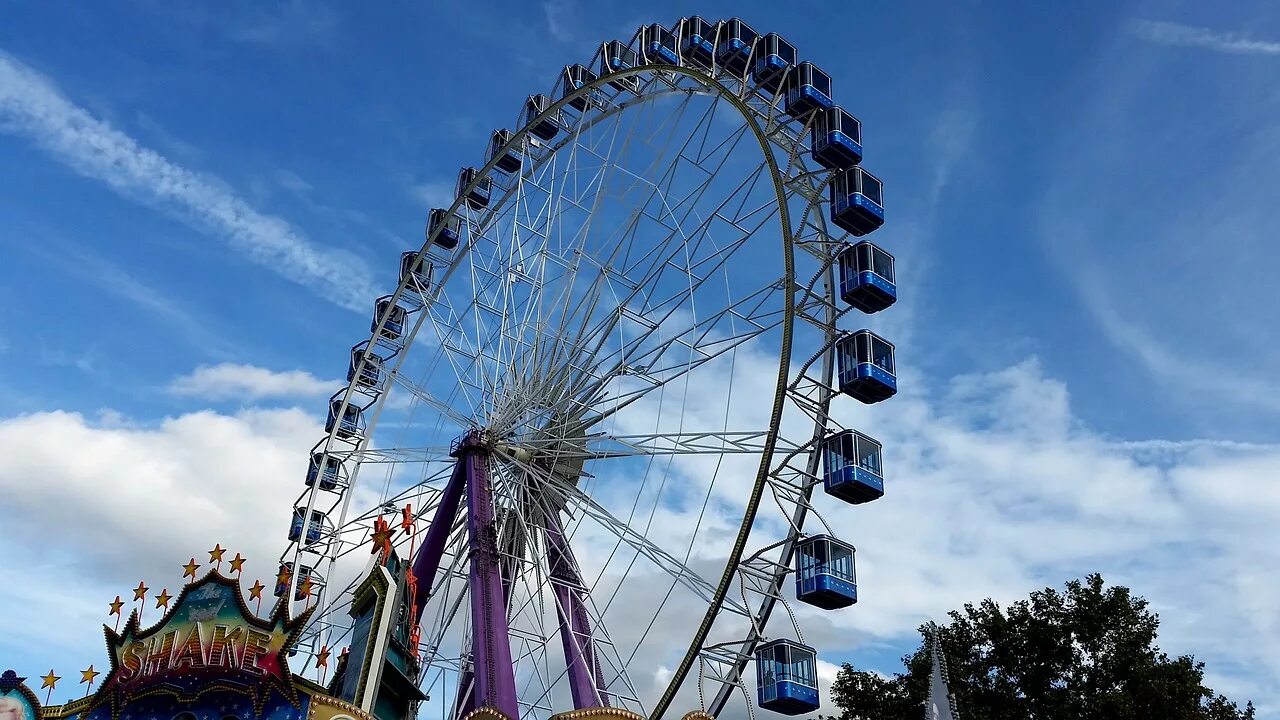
x: 556, y: 375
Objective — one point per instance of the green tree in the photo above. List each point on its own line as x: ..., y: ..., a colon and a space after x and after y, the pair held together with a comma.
x: 1088, y: 653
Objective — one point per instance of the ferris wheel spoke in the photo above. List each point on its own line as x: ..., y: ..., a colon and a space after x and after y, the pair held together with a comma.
x: 606, y: 445
x: 571, y: 497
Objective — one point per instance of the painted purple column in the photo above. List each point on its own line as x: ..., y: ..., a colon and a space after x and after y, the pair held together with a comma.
x: 575, y: 625
x: 495, y: 682
x: 427, y: 561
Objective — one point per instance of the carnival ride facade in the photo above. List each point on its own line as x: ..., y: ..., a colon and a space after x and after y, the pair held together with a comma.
x: 594, y: 418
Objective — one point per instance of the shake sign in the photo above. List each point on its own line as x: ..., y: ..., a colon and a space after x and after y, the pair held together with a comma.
x: 208, y: 641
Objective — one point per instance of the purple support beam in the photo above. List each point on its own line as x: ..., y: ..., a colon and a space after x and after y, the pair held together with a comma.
x: 575, y: 625
x: 495, y: 682
x: 427, y: 561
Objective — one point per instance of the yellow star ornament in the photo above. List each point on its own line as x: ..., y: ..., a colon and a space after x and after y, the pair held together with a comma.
x: 215, y: 555
x: 140, y: 591
x: 237, y: 563
x: 116, y: 605
x: 189, y: 570
x: 50, y: 680
x: 87, y: 676
x: 255, y: 592
x: 162, y: 600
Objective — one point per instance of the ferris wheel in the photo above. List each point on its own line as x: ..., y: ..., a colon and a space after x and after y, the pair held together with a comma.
x: 587, y: 432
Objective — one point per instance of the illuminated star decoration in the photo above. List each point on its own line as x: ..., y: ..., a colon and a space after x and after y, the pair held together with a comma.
x: 87, y: 676
x: 49, y: 681
x: 304, y: 587
x: 322, y: 658
x: 162, y: 600
x: 115, y: 609
x: 189, y: 570
x: 237, y: 563
x: 215, y: 555
x: 140, y: 592
x: 255, y: 593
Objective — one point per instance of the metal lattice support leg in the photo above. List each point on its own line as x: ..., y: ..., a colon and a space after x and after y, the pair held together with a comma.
x: 575, y: 625
x: 427, y: 562
x: 495, y: 683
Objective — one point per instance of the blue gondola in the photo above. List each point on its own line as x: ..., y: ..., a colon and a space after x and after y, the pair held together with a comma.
x: 697, y: 41
x: 393, y: 328
x: 314, y: 528
x: 826, y: 576
x: 615, y: 56
x: 317, y: 582
x: 282, y: 585
x: 851, y: 467
x: 787, y: 677
x: 416, y: 269
x: 857, y: 201
x: 450, y: 225
x: 866, y: 277
x: 351, y: 423
x: 508, y: 159
x: 328, y: 470
x: 837, y: 139
x: 808, y: 89
x: 658, y: 45
x: 733, y: 47
x: 573, y: 79
x: 534, y: 107
x: 864, y: 362
x: 478, y: 197
x: 773, y: 58
x: 370, y: 373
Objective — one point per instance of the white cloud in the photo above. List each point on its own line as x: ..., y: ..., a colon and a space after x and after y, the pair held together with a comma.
x: 32, y: 106
x: 93, y: 506
x: 1171, y: 33
x: 435, y: 194
x: 561, y: 17
x: 231, y: 381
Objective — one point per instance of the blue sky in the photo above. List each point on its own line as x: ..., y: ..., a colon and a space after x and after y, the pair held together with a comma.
x: 1081, y: 200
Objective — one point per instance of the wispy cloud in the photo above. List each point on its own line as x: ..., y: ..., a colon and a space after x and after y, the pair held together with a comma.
x: 289, y: 22
x: 229, y: 380
x: 1171, y: 33
x: 560, y: 18
x: 32, y: 106
x: 433, y: 194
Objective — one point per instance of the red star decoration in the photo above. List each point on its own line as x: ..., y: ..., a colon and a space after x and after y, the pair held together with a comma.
x: 322, y: 659
x: 382, y: 533
x: 406, y: 522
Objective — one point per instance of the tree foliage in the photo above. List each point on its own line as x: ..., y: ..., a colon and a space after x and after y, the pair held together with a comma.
x: 1088, y: 653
